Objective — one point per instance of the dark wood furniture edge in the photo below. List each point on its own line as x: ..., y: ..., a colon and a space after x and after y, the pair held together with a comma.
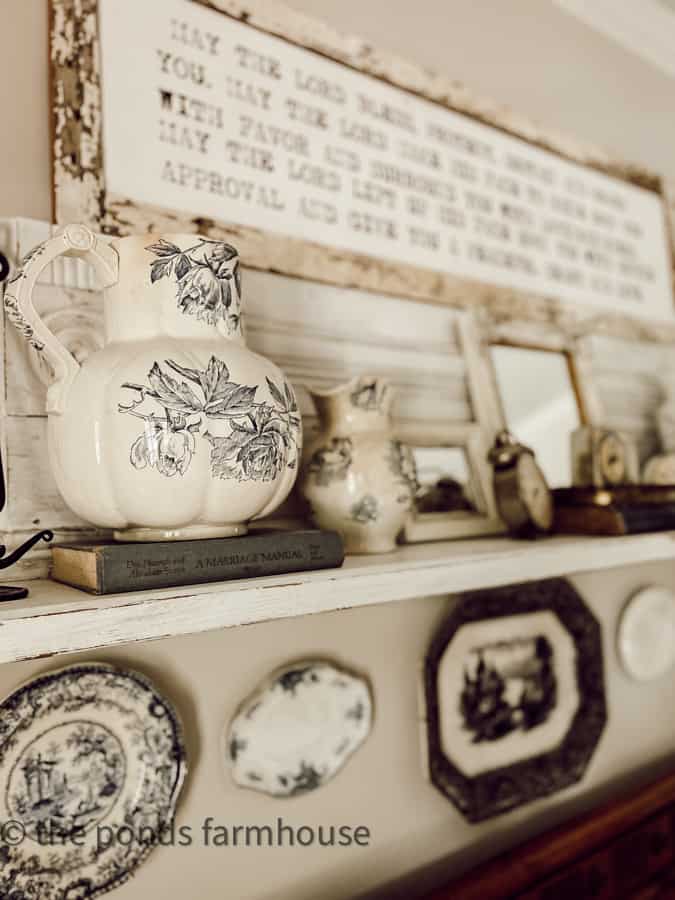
x: 538, y: 859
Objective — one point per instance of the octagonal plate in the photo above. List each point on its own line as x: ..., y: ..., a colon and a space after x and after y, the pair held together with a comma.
x: 514, y: 694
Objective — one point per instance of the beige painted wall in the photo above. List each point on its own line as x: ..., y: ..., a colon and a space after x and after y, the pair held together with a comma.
x: 383, y: 786
x: 526, y: 54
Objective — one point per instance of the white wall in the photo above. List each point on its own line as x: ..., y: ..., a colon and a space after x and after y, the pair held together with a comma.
x: 530, y: 56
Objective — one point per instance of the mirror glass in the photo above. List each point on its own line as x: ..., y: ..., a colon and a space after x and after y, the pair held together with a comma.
x: 442, y: 480
x: 540, y: 406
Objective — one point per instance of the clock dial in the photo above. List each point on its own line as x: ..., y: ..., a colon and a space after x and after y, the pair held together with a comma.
x: 534, y: 492
x: 612, y: 459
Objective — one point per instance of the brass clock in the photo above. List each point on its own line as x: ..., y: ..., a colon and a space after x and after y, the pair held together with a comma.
x: 523, y: 497
x: 603, y: 458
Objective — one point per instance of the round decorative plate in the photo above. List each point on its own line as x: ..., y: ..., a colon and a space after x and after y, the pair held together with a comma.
x: 92, y: 763
x: 646, y: 638
x: 298, y: 729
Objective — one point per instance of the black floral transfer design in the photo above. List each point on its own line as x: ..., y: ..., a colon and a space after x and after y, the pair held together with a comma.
x: 236, y: 746
x: 331, y: 463
x: 401, y: 460
x: 262, y: 438
x: 365, y: 510
x: 291, y: 678
x: 303, y: 697
x: 369, y: 394
x: 14, y: 314
x: 307, y: 779
x: 208, y: 279
x: 357, y: 712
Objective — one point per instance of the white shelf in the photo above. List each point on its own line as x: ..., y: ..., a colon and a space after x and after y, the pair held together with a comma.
x: 58, y: 619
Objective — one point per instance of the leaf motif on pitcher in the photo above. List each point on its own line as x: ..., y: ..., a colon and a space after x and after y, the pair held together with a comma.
x: 262, y: 437
x: 208, y: 279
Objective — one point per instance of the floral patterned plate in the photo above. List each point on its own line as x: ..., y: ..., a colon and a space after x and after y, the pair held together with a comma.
x: 298, y: 729
x: 92, y: 764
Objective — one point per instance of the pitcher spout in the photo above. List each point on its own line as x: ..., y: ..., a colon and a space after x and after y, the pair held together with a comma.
x: 363, y: 399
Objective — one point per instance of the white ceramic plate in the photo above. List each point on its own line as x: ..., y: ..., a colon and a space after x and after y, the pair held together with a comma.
x: 646, y: 638
x: 298, y: 729
x: 84, y: 752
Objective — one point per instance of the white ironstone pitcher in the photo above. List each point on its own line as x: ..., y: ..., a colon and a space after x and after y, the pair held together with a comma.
x: 355, y: 478
x: 174, y: 430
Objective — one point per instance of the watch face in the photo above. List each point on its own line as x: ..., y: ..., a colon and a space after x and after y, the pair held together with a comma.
x: 534, y: 492
x: 612, y: 459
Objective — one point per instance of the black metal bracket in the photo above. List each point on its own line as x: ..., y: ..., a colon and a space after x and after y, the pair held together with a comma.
x: 15, y: 555
x: 4, y: 267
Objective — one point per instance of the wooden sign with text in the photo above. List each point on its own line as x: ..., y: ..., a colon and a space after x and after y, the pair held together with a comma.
x: 193, y: 115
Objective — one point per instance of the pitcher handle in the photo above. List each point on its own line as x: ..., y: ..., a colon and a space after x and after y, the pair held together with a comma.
x: 76, y: 241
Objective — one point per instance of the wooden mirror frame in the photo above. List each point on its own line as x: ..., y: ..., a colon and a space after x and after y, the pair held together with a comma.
x: 461, y: 523
x: 474, y: 438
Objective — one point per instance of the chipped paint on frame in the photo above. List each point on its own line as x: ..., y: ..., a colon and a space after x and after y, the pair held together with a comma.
x: 79, y: 188
x: 80, y: 192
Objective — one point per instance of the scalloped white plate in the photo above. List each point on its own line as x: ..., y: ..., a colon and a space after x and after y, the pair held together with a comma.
x: 298, y: 729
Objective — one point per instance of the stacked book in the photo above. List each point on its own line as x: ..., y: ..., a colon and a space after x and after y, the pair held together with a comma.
x: 108, y: 567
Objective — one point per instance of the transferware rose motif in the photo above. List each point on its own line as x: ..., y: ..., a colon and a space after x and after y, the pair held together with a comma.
x: 209, y: 285
x: 169, y: 451
x: 332, y: 462
x: 256, y: 448
x: 355, y: 475
x: 365, y: 510
x: 189, y: 406
x: 369, y: 393
x: 261, y: 440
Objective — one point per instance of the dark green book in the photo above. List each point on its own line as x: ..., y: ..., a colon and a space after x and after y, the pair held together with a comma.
x: 108, y: 567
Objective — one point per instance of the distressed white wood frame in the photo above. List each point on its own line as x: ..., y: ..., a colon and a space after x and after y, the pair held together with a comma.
x: 622, y: 385
x: 435, y: 526
x: 551, y: 339
x: 80, y: 193
x: 474, y: 439
x: 618, y: 378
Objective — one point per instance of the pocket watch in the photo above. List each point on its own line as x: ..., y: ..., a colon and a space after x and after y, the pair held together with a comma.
x: 523, y: 497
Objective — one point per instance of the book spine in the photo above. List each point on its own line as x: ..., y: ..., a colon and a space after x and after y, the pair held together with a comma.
x: 614, y: 520
x: 144, y: 566
x: 640, y: 519
x: 588, y: 520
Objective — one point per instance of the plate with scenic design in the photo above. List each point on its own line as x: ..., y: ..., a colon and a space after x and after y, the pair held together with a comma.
x: 298, y: 729
x: 514, y: 696
x: 88, y: 754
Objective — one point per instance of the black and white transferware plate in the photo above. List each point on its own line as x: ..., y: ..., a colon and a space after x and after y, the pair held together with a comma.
x: 91, y: 763
x: 298, y: 729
